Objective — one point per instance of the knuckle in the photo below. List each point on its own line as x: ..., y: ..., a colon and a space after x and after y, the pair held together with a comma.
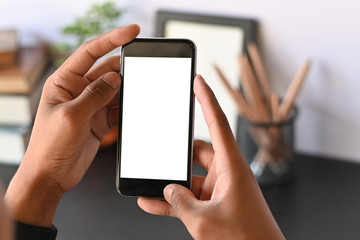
x: 179, y: 202
x: 168, y: 212
x: 89, y: 50
x: 220, y: 120
x: 54, y: 80
x: 98, y: 91
x: 55, y: 90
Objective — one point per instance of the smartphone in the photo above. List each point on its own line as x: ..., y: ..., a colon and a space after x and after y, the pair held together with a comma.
x: 155, y: 143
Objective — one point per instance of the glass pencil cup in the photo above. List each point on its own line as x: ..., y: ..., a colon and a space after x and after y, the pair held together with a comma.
x: 268, y: 148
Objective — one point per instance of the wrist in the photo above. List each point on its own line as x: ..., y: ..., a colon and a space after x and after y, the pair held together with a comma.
x: 31, y: 198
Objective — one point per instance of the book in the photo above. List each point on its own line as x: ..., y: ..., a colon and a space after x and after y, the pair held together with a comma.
x: 8, y: 47
x: 20, y: 109
x: 7, y: 59
x: 20, y: 91
x: 25, y: 74
x: 13, y: 143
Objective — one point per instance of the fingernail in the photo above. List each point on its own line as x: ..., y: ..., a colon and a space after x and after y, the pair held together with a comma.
x: 112, y: 79
x: 168, y: 190
x: 200, y: 78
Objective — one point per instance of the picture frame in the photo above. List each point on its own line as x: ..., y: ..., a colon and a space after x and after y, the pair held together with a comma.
x: 220, y: 40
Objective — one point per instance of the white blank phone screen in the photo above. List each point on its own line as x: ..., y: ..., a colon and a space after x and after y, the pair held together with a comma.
x: 155, y: 124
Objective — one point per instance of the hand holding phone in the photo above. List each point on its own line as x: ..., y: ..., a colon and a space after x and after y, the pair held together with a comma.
x: 227, y: 203
x: 156, y: 116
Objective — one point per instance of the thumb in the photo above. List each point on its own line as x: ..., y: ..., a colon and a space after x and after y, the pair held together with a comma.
x: 182, y: 202
x: 98, y: 94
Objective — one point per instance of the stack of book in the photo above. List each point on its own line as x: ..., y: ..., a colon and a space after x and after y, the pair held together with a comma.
x: 20, y: 90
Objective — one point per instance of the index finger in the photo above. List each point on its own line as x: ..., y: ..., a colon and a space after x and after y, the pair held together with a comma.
x: 220, y: 132
x: 86, y: 55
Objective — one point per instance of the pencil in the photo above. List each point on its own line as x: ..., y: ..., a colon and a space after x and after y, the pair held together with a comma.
x: 252, y: 91
x: 242, y: 106
x: 260, y: 71
x: 293, y: 91
x: 274, y: 99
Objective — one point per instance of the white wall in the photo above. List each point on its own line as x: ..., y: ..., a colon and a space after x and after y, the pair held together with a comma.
x: 326, y: 31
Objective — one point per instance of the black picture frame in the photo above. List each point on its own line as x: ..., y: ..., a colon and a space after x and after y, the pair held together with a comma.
x: 209, y: 28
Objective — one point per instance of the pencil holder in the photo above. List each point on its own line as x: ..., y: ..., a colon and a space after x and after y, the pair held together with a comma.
x: 268, y: 148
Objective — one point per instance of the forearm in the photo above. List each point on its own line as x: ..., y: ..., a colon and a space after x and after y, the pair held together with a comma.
x: 31, y: 198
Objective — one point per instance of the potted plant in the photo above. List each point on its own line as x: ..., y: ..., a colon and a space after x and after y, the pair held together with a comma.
x: 98, y: 19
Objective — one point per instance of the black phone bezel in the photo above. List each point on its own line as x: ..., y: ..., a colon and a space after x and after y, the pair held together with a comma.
x: 155, y: 47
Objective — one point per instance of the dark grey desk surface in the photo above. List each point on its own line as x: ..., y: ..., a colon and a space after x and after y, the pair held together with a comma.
x: 322, y: 203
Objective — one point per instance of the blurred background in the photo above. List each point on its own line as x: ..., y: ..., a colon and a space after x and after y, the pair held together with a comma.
x: 323, y: 201
x: 288, y: 32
